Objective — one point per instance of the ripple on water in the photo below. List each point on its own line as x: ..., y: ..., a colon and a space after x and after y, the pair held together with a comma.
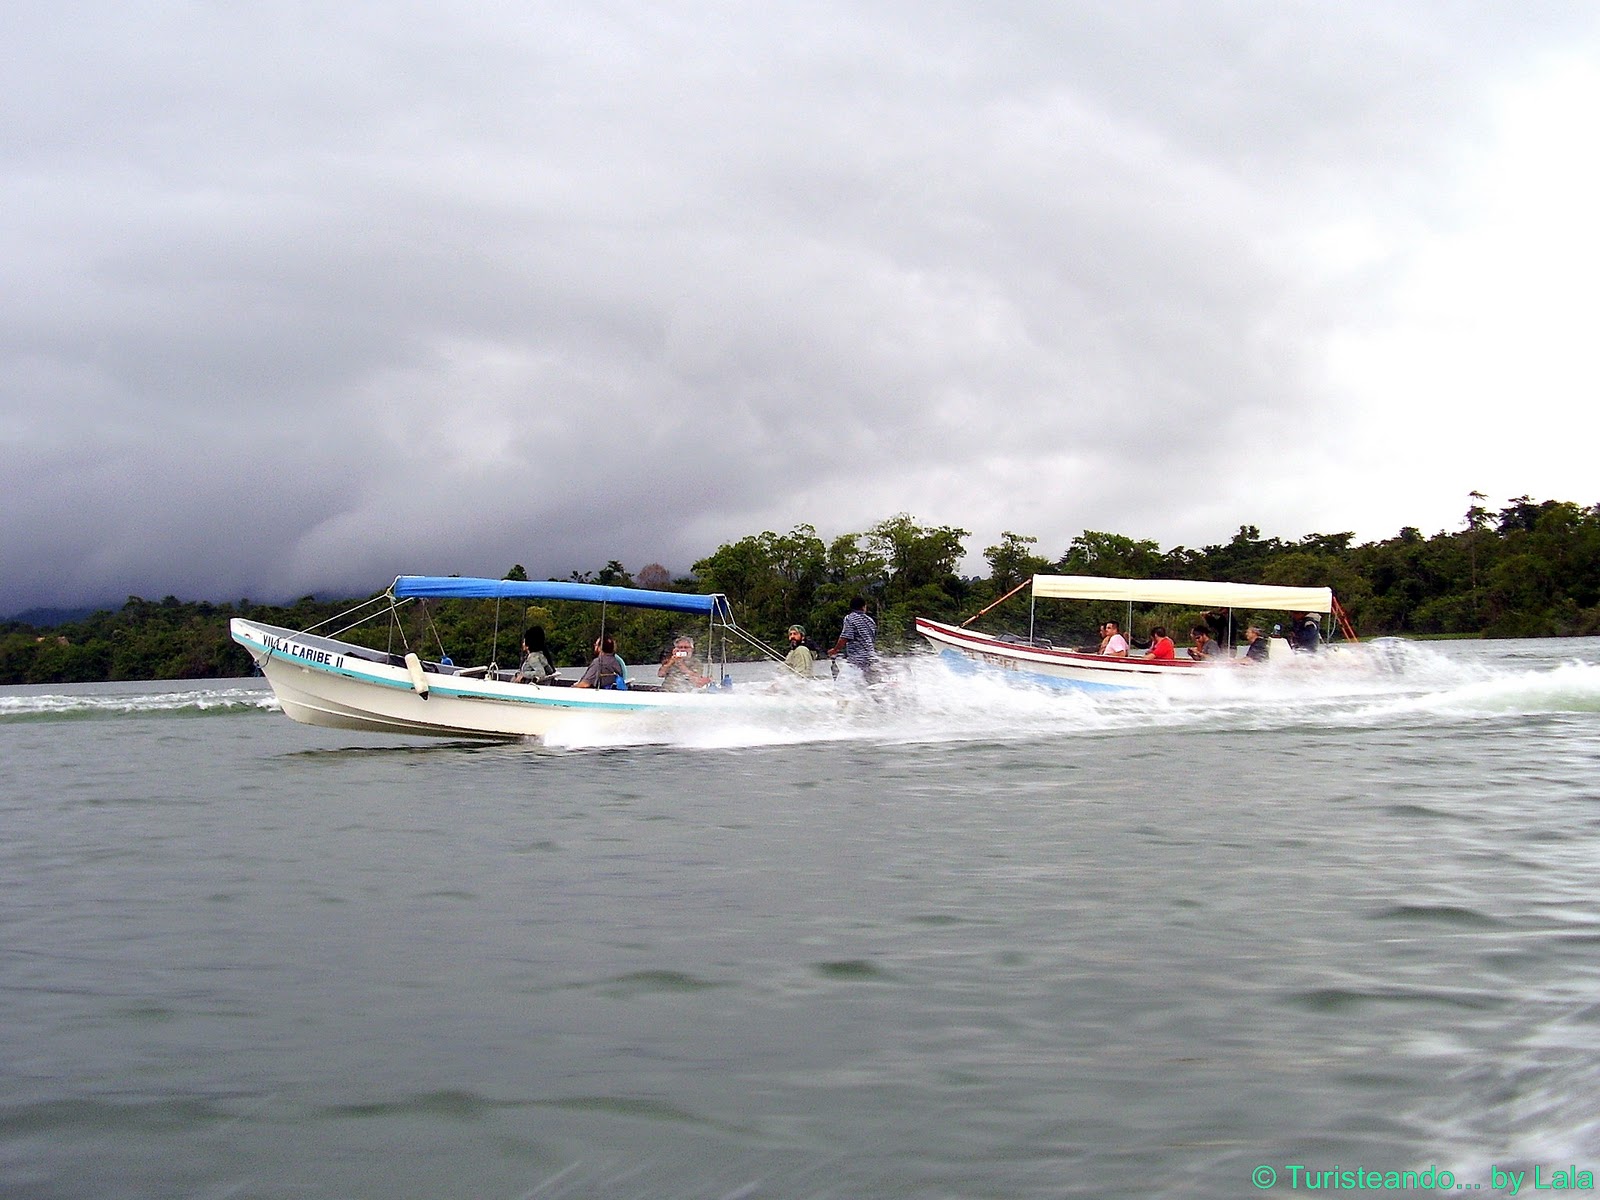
x: 853, y: 970
x: 1339, y: 1000
x: 651, y: 982
x: 93, y: 1115
x: 1452, y: 915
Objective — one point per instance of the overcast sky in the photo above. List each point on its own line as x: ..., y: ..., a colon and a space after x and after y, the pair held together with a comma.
x: 298, y: 297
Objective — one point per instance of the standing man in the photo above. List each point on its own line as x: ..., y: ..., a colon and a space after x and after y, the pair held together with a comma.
x: 1305, y: 634
x: 858, y: 640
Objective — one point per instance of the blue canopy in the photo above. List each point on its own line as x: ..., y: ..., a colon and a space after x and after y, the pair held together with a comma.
x: 457, y: 587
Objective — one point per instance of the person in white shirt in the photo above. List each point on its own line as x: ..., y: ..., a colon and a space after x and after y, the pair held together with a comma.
x: 1112, y: 643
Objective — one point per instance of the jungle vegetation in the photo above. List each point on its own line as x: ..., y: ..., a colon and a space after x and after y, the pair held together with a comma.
x: 1529, y: 569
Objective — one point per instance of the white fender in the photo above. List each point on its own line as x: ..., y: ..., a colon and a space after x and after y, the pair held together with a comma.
x: 418, y: 682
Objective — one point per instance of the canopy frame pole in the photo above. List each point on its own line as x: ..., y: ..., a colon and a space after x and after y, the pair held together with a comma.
x: 494, y: 642
x: 1001, y: 601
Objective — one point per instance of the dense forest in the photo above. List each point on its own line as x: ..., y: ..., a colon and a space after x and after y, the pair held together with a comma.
x: 1529, y: 569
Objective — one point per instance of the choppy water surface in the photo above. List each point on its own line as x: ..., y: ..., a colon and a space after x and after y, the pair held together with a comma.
x: 979, y: 941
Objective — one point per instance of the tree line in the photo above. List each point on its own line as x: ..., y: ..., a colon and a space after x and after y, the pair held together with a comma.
x: 1528, y: 569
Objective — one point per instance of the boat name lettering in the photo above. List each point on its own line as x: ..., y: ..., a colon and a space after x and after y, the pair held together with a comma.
x: 994, y: 660
x: 309, y: 653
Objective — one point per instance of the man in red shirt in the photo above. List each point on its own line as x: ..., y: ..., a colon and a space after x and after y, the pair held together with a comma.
x: 1161, y: 648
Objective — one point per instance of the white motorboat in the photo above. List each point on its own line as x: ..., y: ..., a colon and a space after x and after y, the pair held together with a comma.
x: 1037, y: 659
x: 321, y: 680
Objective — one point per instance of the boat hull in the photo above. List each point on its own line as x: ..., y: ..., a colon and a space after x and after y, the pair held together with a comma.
x: 1064, y: 668
x: 325, y: 682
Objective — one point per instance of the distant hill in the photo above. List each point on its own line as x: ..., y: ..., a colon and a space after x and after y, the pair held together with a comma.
x: 1532, y: 570
x: 49, y: 618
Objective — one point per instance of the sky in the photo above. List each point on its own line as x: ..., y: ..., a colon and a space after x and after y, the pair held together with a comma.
x: 300, y: 297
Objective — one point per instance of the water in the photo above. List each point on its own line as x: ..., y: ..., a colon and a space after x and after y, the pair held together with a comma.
x: 979, y: 941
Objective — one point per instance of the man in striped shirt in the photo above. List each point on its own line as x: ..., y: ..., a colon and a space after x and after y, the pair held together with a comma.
x: 858, y: 640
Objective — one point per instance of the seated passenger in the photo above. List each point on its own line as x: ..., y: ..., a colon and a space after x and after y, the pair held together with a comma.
x: 1205, y: 648
x: 1161, y: 648
x: 1259, y: 646
x: 802, y: 656
x: 607, y: 670
x: 679, y: 671
x: 536, y: 666
x: 1112, y: 643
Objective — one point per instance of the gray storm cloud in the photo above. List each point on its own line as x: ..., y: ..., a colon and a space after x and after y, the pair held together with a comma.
x: 297, y: 302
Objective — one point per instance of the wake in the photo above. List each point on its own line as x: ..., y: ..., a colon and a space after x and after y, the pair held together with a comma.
x: 926, y: 699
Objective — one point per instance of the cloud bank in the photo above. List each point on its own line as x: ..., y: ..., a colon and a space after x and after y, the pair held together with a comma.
x: 299, y: 301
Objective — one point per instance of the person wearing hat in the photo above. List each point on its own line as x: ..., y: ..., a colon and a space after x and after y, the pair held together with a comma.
x: 802, y: 656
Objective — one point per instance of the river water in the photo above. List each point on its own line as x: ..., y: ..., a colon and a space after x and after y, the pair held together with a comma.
x: 974, y: 941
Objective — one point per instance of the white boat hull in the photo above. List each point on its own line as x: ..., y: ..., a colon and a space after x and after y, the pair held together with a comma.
x: 1063, y: 667
x: 321, y: 681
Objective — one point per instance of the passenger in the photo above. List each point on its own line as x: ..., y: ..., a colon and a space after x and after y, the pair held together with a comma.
x: 1112, y: 643
x: 858, y: 640
x: 1304, y: 633
x: 1205, y: 646
x: 607, y: 670
x: 1259, y: 646
x: 536, y: 666
x: 622, y: 662
x: 802, y: 656
x: 679, y: 671
x: 1161, y: 648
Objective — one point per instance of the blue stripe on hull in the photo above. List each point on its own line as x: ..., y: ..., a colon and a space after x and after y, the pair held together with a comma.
x: 970, y: 666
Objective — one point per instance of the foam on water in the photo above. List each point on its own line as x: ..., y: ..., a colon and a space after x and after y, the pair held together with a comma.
x: 87, y: 701
x: 928, y: 700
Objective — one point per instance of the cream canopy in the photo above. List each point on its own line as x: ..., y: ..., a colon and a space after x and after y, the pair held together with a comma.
x: 1193, y: 593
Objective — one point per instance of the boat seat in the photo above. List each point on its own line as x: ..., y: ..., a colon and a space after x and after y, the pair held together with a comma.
x: 370, y: 655
x: 1015, y: 639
